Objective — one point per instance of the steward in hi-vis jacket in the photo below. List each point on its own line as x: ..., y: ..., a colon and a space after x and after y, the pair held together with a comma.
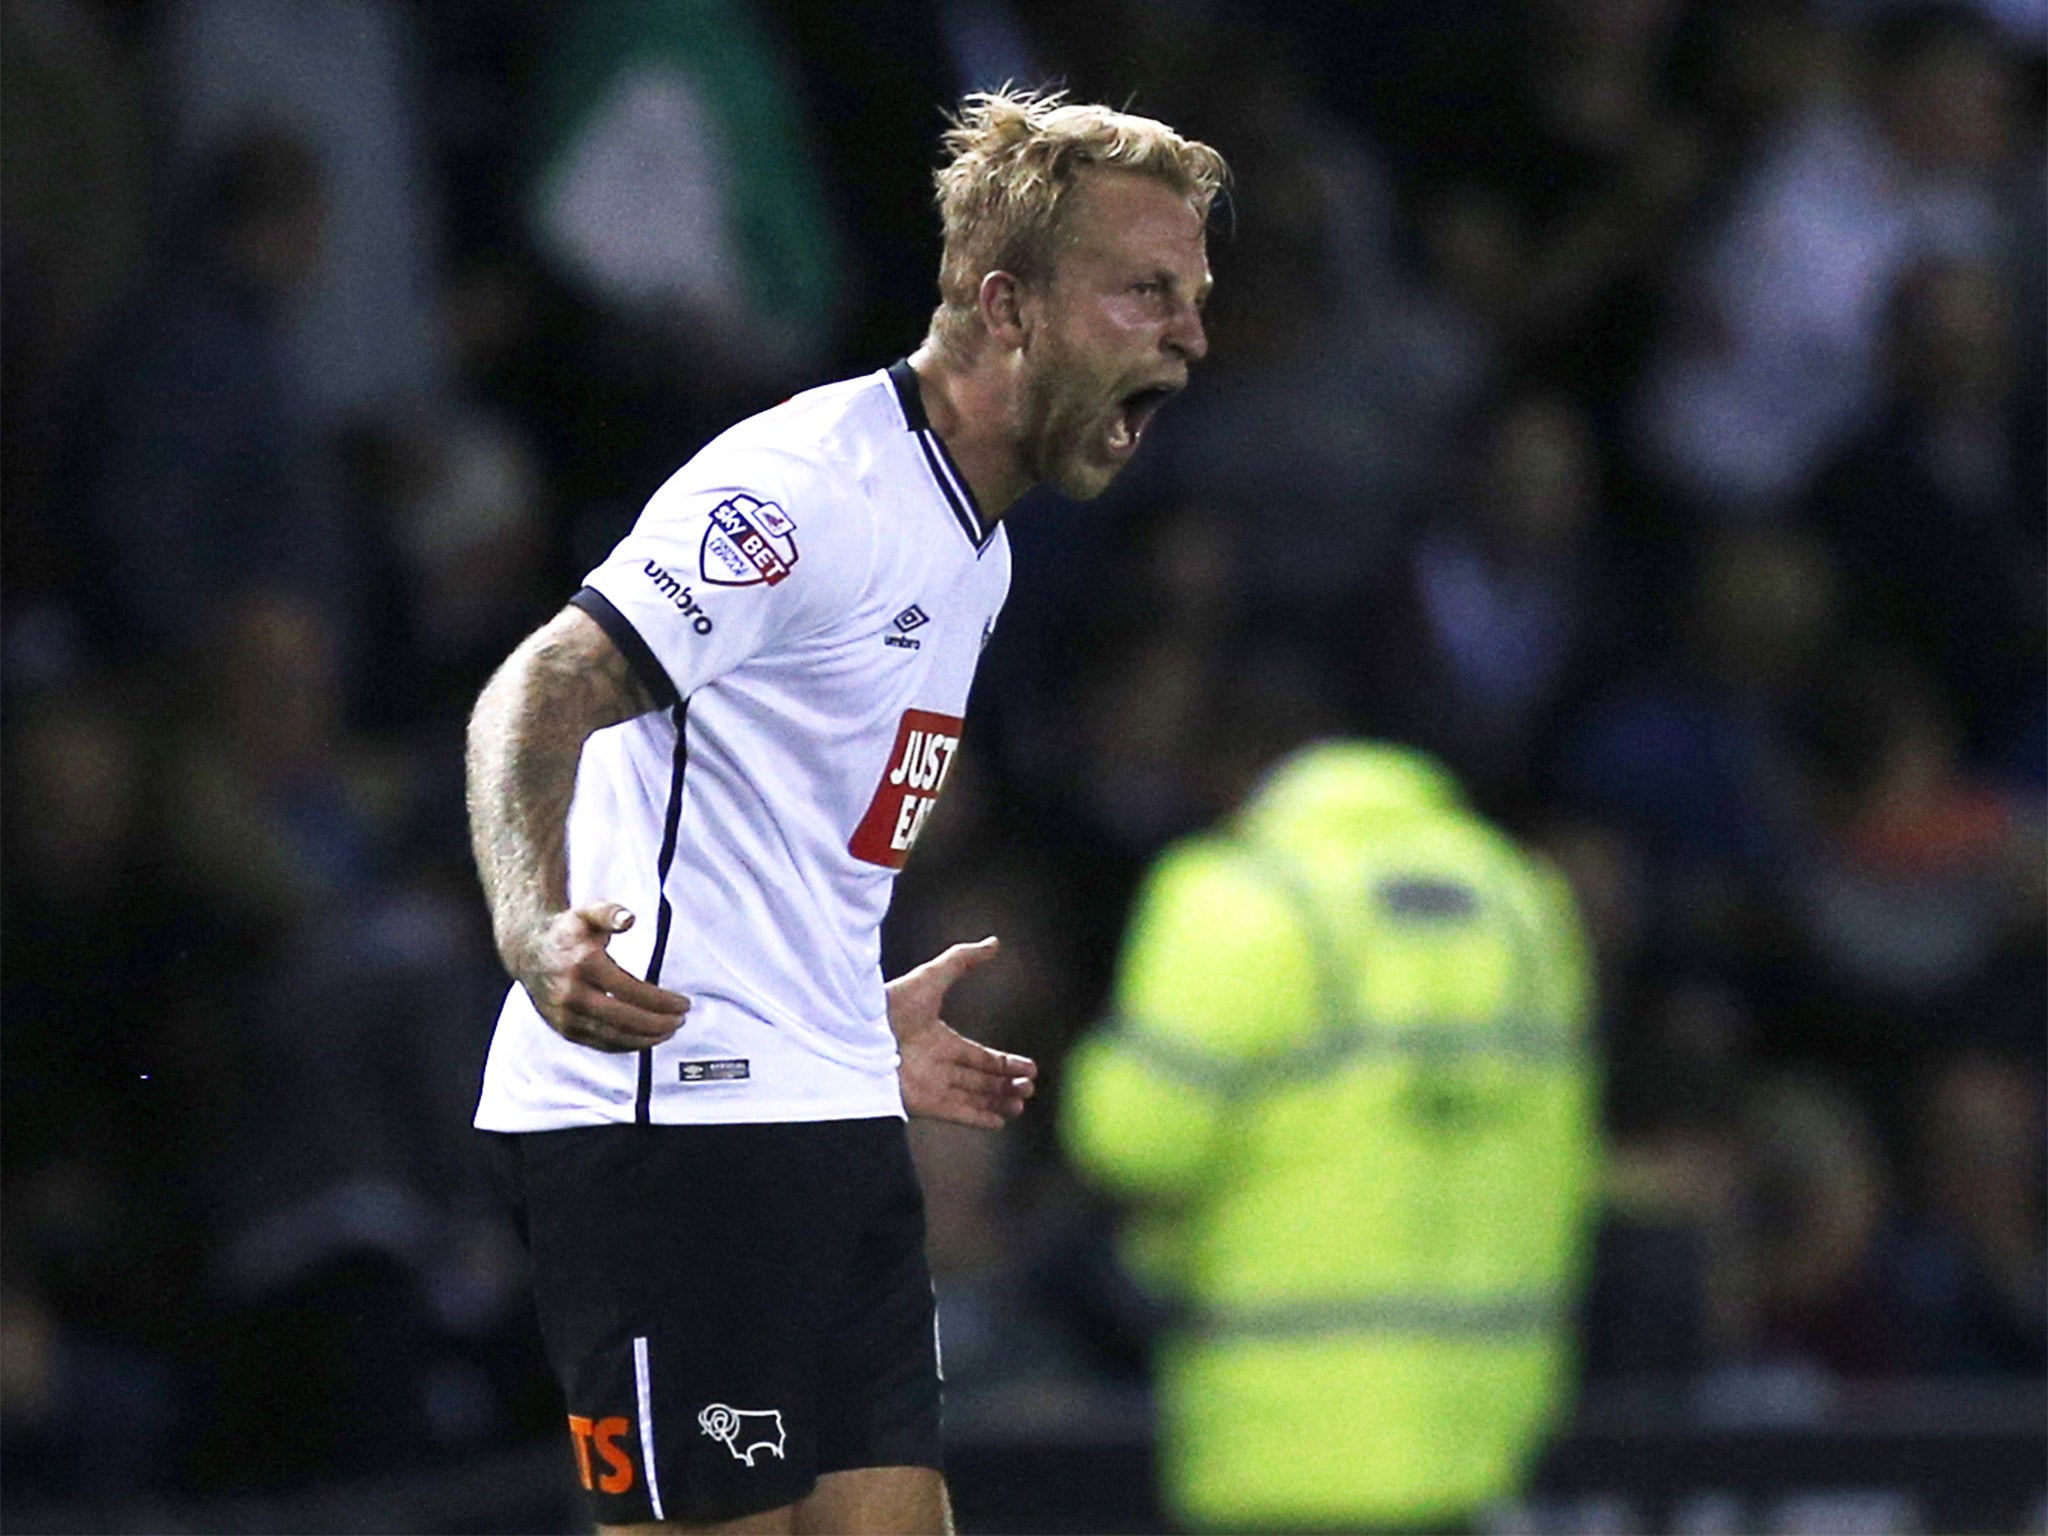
x: 1349, y: 1094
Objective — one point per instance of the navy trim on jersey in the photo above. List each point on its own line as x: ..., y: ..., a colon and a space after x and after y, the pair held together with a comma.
x: 939, y: 459
x: 671, y: 826
x: 639, y: 655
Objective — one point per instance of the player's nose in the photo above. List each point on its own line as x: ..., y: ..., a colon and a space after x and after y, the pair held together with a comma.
x: 1187, y: 335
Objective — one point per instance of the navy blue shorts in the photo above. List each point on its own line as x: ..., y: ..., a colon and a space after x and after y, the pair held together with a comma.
x: 732, y: 1310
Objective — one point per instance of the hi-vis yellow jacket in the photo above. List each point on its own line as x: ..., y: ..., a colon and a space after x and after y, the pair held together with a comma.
x: 1348, y: 1090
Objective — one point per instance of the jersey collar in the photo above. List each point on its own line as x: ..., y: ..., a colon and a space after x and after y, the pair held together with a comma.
x: 952, y: 484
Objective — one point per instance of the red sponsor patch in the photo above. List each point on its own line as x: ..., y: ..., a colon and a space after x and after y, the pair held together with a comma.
x: 926, y: 743
x: 747, y: 541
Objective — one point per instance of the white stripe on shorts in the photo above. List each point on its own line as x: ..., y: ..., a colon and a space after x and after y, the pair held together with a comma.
x: 643, y: 1387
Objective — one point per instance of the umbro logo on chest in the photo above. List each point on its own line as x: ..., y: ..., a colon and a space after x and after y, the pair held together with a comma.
x: 898, y: 633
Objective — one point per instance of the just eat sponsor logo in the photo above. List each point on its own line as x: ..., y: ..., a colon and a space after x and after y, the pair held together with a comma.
x: 926, y: 743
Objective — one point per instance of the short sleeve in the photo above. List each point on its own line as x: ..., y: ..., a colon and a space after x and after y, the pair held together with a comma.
x: 714, y: 573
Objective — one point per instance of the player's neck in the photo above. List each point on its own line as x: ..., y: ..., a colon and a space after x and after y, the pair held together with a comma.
x: 971, y: 409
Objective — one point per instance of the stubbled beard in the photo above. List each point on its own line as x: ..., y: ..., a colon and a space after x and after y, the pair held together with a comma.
x: 1054, y: 430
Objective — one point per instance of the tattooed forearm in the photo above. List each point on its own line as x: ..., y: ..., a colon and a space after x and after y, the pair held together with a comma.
x: 564, y: 682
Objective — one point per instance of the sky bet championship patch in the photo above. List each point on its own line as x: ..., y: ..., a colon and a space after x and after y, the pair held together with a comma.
x: 747, y: 542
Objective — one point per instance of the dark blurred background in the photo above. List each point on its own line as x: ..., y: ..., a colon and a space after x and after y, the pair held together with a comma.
x: 1638, y: 402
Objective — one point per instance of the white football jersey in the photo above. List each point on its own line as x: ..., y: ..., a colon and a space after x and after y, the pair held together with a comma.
x: 807, y: 599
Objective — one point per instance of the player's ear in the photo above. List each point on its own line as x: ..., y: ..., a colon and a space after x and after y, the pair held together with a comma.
x: 1001, y: 302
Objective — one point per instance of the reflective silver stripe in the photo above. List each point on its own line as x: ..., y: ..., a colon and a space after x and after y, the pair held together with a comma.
x: 1532, y: 1033
x: 1528, y: 1034
x: 1187, y: 1064
x: 1415, y: 1313
x: 643, y: 1387
x: 1336, y: 984
x: 1517, y: 1039
x: 1523, y: 1040
x: 1533, y: 979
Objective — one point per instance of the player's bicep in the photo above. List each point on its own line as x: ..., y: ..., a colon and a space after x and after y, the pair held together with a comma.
x: 580, y: 677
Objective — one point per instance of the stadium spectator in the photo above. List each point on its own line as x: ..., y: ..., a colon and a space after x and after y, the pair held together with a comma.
x: 993, y: 1226
x: 275, y: 811
x: 1667, y: 1270
x: 1930, y: 509
x: 1978, y: 1189
x: 97, y: 1273
x: 193, y: 469
x: 1817, y: 1196
x: 74, y: 183
x: 1695, y: 757
x: 343, y: 78
x: 1330, y: 394
x: 1498, y: 595
x: 461, y: 517
x: 1922, y: 876
x: 1579, y: 148
x: 1776, y: 347
x: 676, y: 187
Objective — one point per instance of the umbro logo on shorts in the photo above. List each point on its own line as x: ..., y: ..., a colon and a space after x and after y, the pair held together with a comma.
x: 744, y: 1430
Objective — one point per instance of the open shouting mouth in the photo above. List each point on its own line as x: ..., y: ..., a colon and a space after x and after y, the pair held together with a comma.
x: 1135, y: 413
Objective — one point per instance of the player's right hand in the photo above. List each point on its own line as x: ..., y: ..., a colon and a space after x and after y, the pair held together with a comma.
x: 588, y: 997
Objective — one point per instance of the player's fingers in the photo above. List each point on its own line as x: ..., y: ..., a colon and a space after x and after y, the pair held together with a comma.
x: 604, y: 973
x: 959, y: 959
x: 632, y: 1028
x: 605, y: 916
x: 980, y: 1117
x: 1012, y: 1066
x: 991, y: 1088
x: 982, y: 1058
x: 595, y: 1034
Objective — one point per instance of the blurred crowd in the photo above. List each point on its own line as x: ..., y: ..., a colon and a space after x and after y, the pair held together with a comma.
x: 1637, y: 402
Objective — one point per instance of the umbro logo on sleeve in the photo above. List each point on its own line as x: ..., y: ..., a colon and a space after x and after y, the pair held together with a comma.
x: 684, y: 599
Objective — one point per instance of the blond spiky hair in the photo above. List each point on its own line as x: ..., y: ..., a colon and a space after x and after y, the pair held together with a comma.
x: 1012, y: 156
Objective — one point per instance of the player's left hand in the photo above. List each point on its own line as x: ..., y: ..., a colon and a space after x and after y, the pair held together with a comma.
x: 946, y: 1076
